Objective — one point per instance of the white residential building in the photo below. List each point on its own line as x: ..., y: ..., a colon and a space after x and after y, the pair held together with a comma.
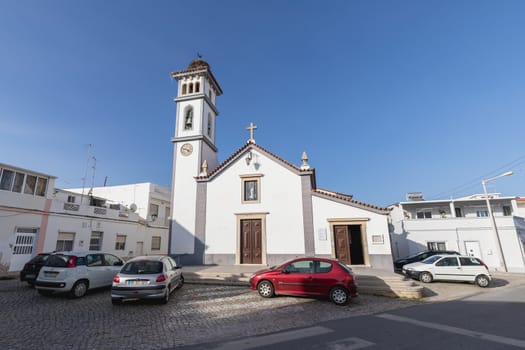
x: 36, y: 217
x: 463, y: 225
x: 151, y: 202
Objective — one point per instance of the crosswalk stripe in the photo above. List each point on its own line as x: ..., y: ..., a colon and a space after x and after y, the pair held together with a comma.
x: 270, y: 339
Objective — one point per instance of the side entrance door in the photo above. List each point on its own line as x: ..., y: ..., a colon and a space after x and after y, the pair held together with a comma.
x: 22, y: 250
x: 139, y: 249
x: 251, y: 241
x: 342, y: 244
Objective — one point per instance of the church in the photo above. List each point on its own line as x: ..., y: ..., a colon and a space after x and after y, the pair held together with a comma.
x: 255, y: 207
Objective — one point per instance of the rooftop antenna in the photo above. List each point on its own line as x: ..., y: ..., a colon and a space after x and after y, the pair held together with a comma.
x: 85, y: 171
x: 93, y: 176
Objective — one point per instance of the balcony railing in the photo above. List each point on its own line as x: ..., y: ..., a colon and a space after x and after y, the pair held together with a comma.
x: 100, y: 211
x: 71, y: 206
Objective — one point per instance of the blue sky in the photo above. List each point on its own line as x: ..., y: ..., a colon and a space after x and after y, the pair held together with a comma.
x: 386, y: 97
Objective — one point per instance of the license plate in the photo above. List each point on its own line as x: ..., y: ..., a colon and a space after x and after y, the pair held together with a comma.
x: 50, y: 273
x: 136, y: 283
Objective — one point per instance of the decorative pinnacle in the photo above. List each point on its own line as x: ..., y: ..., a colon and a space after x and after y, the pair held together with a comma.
x: 204, y: 168
x: 304, y: 158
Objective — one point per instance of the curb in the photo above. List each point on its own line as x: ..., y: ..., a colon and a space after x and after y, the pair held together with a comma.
x: 394, y: 286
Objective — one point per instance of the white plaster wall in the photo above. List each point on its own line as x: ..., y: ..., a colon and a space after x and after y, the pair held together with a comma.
x: 184, y: 201
x: 210, y: 155
x: 280, y: 197
x: 454, y: 232
x: 81, y: 225
x: 207, y: 110
x: 124, y: 194
x: 8, y: 224
x: 325, y: 209
x: 21, y: 200
x: 13, y: 214
x: 197, y: 113
x: 82, y: 228
x: 399, y: 243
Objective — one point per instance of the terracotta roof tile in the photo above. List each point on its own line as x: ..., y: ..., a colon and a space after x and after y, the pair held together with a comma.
x: 349, y: 199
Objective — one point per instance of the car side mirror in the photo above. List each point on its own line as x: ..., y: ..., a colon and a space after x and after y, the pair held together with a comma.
x: 177, y: 267
x: 118, y: 263
x: 285, y: 271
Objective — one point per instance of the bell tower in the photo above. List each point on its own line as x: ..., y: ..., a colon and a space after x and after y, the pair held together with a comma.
x: 193, y: 147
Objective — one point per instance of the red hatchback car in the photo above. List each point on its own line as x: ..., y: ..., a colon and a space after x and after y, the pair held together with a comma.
x: 308, y: 276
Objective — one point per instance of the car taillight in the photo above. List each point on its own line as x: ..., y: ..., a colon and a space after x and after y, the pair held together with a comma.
x: 72, y: 262
x: 484, y: 264
x: 161, y: 278
x: 116, y: 279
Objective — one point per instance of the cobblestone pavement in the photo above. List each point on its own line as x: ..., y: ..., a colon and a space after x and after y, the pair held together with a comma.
x: 195, y: 314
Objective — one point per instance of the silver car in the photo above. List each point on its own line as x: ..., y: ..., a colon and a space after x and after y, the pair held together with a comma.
x: 147, y: 277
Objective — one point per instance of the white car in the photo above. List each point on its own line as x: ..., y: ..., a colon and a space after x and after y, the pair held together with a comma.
x: 77, y: 272
x: 449, y: 268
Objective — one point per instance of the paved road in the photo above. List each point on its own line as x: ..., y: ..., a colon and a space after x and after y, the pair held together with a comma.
x: 195, y: 314
x: 484, y: 321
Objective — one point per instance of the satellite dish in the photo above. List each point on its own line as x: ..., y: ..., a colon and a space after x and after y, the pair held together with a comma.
x: 133, y: 207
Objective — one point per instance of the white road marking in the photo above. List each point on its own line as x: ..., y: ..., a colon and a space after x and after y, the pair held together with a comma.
x: 271, y: 339
x: 478, y: 335
x: 348, y: 344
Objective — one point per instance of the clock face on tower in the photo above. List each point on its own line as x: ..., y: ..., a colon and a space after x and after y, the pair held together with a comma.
x: 186, y: 149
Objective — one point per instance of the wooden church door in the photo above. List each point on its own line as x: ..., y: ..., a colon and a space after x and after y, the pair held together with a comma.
x: 251, y: 241
x: 342, y: 244
x: 349, y: 244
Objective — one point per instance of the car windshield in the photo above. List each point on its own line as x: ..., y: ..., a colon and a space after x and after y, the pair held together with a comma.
x: 142, y: 267
x: 40, y: 258
x: 57, y: 260
x: 431, y: 259
x: 414, y: 255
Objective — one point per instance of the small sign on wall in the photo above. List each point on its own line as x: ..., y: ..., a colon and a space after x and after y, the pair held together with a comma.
x: 377, y: 239
x: 322, y: 234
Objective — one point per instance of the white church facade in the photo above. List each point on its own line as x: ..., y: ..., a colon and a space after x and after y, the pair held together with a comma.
x: 255, y: 207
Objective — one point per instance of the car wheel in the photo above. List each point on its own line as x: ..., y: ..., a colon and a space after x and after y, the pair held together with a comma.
x: 166, y: 297
x: 116, y: 301
x: 181, y: 282
x: 265, y: 289
x: 482, y: 281
x: 44, y: 292
x: 79, y: 289
x: 339, y: 296
x: 425, y: 277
